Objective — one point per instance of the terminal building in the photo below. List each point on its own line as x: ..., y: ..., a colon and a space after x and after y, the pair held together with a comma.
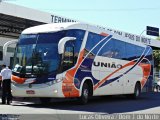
x: 14, y: 19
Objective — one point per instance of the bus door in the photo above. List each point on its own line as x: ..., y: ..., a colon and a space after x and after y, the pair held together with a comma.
x: 68, y: 58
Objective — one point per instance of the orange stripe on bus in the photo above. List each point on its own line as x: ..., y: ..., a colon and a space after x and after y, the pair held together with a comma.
x: 68, y: 87
x: 18, y: 79
x: 104, y: 34
x: 146, y: 72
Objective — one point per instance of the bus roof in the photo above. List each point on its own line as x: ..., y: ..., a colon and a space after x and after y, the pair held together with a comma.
x: 46, y: 28
x: 52, y: 27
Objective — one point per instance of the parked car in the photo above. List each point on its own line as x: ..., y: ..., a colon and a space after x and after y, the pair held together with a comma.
x: 157, y: 84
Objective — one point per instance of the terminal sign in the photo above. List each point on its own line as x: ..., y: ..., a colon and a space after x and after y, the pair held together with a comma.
x: 152, y: 31
x: 57, y: 19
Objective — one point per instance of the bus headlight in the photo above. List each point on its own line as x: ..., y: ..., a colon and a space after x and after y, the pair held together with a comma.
x: 50, y: 83
x: 57, y: 81
x: 53, y: 82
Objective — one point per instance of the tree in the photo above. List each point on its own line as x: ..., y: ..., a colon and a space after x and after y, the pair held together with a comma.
x: 156, y: 55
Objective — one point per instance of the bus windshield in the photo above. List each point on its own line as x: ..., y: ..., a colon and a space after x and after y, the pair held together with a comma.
x: 37, y: 53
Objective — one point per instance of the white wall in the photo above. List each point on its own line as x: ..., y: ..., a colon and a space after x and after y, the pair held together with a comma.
x: 3, y: 40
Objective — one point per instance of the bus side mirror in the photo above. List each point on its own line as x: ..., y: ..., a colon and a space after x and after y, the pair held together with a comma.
x: 62, y: 43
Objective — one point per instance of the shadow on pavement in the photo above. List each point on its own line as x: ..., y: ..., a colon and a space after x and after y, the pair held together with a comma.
x: 115, y: 104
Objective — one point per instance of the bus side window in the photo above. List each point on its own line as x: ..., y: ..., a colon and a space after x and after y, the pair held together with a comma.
x: 130, y: 52
x: 68, y: 59
x: 139, y: 51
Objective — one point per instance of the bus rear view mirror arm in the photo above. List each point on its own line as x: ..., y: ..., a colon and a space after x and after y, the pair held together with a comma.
x: 62, y: 43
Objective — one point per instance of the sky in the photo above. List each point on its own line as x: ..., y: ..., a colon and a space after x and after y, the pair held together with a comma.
x: 125, y: 15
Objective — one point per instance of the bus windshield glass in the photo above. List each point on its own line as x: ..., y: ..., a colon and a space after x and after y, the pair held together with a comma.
x: 37, y: 53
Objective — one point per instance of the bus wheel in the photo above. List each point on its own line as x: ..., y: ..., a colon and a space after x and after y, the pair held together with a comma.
x: 137, y: 91
x: 85, y: 94
x: 45, y: 100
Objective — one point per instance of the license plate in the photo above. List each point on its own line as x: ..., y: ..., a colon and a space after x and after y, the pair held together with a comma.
x: 30, y: 92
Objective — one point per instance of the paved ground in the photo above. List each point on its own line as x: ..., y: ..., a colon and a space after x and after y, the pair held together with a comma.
x: 147, y: 103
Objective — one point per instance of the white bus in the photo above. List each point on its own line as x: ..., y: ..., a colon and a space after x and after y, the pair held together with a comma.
x: 76, y: 60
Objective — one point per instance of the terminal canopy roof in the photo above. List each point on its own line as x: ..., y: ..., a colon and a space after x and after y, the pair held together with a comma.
x: 12, y: 26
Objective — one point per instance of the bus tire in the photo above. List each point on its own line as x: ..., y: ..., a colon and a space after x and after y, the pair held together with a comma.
x: 137, y: 91
x: 85, y: 94
x: 44, y: 100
